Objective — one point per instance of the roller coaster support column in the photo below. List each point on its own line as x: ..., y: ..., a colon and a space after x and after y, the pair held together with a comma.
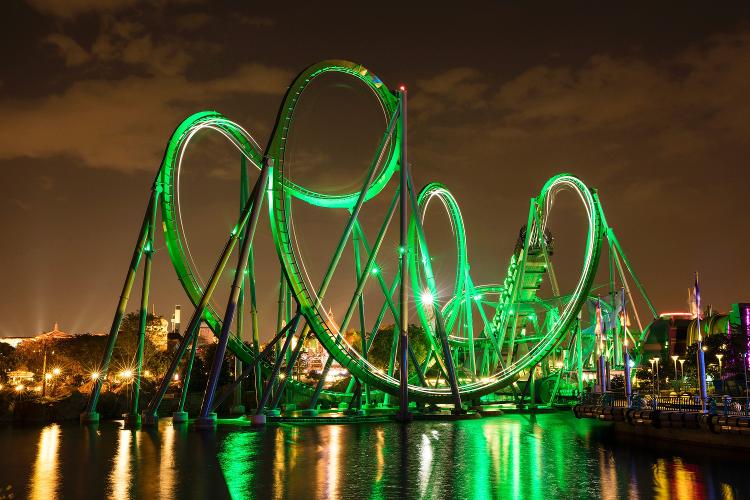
x: 90, y: 415
x: 134, y: 418
x: 149, y: 415
x: 259, y: 418
x: 292, y: 360
x: 254, y: 324
x: 403, y: 413
x: 181, y: 416
x: 238, y: 408
x: 206, y: 418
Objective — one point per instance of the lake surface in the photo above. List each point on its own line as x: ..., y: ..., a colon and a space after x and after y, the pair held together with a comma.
x: 557, y: 456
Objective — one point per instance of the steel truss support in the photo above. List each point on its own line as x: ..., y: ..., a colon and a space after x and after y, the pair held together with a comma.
x: 150, y: 414
x: 268, y: 388
x: 90, y: 414
x: 403, y: 328
x: 206, y: 418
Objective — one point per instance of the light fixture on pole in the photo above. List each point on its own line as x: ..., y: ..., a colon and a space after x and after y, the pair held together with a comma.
x: 721, y: 381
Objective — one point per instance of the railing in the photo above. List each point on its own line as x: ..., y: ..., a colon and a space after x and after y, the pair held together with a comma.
x: 719, y: 405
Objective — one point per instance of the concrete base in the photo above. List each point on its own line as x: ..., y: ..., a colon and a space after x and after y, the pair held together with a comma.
x: 149, y: 419
x: 273, y: 413
x: 237, y: 410
x: 309, y: 412
x: 258, y: 420
x: 132, y: 420
x: 179, y: 417
x: 89, y: 418
x: 206, y: 423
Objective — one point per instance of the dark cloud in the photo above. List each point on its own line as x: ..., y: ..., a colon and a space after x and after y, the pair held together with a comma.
x: 647, y: 104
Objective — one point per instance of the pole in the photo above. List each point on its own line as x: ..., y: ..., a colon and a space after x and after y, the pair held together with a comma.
x: 134, y: 418
x: 403, y: 413
x: 701, y: 358
x: 44, y: 369
x: 579, y: 356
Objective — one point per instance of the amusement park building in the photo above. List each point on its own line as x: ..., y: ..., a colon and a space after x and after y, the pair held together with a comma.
x: 677, y: 331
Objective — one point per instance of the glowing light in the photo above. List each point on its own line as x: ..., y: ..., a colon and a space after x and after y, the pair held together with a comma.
x: 402, y: 88
x: 176, y: 376
x: 126, y: 374
x: 20, y: 388
x: 427, y: 298
x: 94, y: 375
x: 147, y: 373
x: 56, y: 371
x: 282, y: 376
x: 48, y: 376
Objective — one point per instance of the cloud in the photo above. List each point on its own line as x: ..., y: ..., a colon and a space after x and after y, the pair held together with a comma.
x: 453, y: 89
x: 69, y: 49
x: 121, y: 124
x: 72, y: 8
x: 192, y: 21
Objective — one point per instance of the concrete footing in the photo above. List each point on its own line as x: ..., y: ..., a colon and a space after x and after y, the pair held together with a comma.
x: 89, y: 418
x: 179, y: 417
x: 149, y: 419
x: 206, y: 423
x: 132, y: 420
x: 237, y: 410
x: 258, y: 420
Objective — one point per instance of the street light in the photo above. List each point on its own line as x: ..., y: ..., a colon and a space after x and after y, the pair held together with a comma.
x: 674, y: 358
x: 682, y: 369
x: 721, y: 381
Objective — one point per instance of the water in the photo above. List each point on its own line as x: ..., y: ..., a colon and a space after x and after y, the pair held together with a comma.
x: 505, y: 457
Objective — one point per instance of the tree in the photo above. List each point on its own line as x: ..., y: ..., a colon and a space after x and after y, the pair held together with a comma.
x: 8, y: 360
x: 380, y: 349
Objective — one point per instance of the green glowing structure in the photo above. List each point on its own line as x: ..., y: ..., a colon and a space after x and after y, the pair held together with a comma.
x: 481, y: 338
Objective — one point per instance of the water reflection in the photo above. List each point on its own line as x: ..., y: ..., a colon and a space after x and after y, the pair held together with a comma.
x: 119, y: 478
x: 44, y: 483
x: 167, y: 463
x: 556, y: 456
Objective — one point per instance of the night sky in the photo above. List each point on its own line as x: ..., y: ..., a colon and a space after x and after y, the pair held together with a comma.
x: 649, y: 104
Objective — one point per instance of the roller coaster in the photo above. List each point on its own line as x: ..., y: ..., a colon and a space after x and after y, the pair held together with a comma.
x: 481, y: 341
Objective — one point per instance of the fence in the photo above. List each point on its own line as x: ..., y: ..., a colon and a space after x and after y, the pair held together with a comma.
x: 724, y: 405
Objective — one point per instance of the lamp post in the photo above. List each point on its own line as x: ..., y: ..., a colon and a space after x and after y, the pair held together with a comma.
x: 656, y: 362
x: 653, y: 376
x: 682, y: 370
x: 721, y: 381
